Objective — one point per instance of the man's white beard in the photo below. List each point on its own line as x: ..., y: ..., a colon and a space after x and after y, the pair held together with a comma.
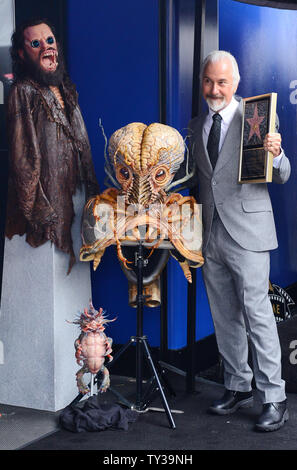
x: 216, y: 105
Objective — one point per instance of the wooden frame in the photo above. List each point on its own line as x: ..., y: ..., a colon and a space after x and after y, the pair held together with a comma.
x: 259, y: 118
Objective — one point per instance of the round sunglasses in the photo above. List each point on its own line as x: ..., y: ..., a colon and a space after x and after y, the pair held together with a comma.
x: 36, y: 43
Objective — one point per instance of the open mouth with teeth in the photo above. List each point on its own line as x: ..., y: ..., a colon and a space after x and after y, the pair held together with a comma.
x: 48, y: 60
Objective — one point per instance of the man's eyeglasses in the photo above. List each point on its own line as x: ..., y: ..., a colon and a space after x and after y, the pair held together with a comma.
x: 36, y: 43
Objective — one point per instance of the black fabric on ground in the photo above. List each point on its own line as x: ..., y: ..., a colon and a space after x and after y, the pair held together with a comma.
x: 96, y: 417
x: 195, y: 428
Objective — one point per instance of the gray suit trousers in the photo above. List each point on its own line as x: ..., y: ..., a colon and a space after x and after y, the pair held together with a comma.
x: 237, y: 282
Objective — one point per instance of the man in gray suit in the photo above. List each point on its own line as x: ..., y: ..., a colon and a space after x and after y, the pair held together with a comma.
x: 239, y: 231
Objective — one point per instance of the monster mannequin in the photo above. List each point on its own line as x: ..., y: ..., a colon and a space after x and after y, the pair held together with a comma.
x: 50, y: 154
x: 144, y: 160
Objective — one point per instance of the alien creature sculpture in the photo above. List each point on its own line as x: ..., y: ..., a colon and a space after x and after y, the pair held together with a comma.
x: 143, y: 161
x: 92, y: 347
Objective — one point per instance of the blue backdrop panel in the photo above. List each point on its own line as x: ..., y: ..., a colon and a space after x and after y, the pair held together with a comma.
x: 180, y: 50
x: 264, y: 41
x: 113, y: 59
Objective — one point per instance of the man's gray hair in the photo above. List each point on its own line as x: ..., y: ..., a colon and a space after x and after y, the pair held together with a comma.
x: 216, y: 56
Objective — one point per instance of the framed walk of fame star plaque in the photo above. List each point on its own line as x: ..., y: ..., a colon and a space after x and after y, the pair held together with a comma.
x: 259, y: 116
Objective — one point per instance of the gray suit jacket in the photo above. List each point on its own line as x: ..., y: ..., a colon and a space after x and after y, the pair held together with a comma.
x: 244, y: 209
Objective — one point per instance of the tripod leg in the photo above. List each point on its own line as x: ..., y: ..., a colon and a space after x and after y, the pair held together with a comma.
x: 167, y: 409
x: 76, y: 400
x: 152, y: 387
x: 162, y: 375
x: 150, y: 393
x: 120, y: 398
x: 138, y: 373
x: 120, y: 352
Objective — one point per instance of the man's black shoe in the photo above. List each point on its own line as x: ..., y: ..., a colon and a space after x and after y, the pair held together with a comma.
x: 273, y: 417
x: 231, y: 401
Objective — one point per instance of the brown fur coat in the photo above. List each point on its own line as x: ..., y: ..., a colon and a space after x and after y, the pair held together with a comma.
x: 50, y: 157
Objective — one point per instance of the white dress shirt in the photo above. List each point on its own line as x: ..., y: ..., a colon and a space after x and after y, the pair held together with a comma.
x: 227, y: 115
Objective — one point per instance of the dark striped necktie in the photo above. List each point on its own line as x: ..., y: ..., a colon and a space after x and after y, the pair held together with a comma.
x: 214, y: 139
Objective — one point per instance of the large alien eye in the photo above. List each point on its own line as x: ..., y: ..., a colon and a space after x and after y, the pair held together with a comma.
x: 124, y: 173
x: 161, y: 175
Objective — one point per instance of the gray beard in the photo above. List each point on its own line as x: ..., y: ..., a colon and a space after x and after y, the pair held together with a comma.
x: 216, y: 106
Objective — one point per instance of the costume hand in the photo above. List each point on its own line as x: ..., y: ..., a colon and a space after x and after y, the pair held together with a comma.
x: 272, y: 143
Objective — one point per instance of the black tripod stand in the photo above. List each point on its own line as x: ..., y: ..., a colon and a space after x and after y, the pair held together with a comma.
x: 154, y: 386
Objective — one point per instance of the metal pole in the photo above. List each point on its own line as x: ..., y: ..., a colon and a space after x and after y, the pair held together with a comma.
x: 139, y: 263
x: 92, y: 384
x: 167, y: 409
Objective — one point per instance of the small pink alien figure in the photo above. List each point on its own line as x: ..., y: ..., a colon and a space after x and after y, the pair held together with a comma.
x: 92, y: 346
